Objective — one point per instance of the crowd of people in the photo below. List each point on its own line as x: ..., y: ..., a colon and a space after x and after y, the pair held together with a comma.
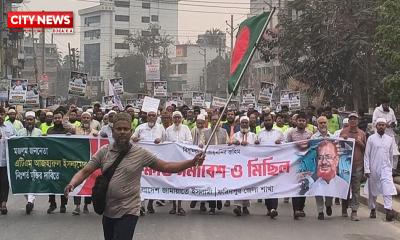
x: 374, y: 155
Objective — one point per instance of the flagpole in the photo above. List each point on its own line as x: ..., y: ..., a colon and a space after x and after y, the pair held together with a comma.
x: 240, y: 77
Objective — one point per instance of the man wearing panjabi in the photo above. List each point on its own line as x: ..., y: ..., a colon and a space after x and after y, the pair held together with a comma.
x: 378, y: 161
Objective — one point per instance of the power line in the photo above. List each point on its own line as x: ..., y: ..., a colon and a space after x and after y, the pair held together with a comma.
x: 177, y: 10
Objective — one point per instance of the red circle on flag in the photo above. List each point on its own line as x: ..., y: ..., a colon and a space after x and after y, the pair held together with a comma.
x: 241, y: 46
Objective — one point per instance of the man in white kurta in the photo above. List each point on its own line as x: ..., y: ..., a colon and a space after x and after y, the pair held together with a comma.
x: 178, y: 132
x: 386, y: 112
x: 150, y: 131
x: 29, y: 131
x: 378, y: 169
x: 244, y: 137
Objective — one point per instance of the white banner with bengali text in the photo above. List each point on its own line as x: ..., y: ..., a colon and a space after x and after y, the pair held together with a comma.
x: 252, y: 172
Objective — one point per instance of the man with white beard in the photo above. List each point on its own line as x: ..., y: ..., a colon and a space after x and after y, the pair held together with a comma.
x: 244, y: 137
x: 378, y: 162
x: 149, y: 131
x: 178, y: 132
x: 29, y: 131
x: 386, y: 112
x: 322, y: 134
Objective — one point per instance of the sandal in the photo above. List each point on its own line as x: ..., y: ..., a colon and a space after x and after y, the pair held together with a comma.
x: 4, y: 210
x: 172, y: 211
x: 181, y: 212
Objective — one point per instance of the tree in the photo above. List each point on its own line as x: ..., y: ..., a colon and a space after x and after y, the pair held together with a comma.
x: 132, y: 69
x: 388, y: 42
x: 213, y: 37
x: 330, y: 47
x: 145, y: 44
x: 218, y: 75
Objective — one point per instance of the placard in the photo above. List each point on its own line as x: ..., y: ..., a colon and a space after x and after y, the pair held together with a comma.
x: 150, y: 104
x: 77, y: 84
x: 17, y: 91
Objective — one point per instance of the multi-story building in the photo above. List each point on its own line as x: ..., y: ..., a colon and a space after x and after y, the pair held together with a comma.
x: 188, y: 67
x: 106, y: 26
x: 10, y: 43
x: 33, y: 48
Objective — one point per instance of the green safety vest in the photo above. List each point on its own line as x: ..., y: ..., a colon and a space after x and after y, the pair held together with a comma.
x: 44, y: 127
x: 282, y: 129
x: 191, y: 125
x: 333, y: 124
x: 76, y: 124
x: 134, y: 124
x: 258, y: 129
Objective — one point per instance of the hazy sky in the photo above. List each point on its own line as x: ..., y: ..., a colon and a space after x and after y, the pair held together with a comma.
x: 189, y: 23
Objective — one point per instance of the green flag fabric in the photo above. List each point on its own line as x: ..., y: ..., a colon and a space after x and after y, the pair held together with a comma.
x: 246, y: 40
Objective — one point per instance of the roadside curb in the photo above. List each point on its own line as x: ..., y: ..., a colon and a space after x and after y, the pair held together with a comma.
x: 379, y: 206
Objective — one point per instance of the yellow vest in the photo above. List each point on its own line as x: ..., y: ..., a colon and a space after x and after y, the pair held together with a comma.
x: 282, y: 129
x: 44, y: 127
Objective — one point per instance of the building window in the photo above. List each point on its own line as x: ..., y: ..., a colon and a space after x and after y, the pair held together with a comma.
x: 182, y: 68
x: 122, y: 18
x: 122, y: 4
x: 145, y: 5
x: 155, y: 32
x: 181, y: 51
x: 92, y: 19
x: 172, y: 69
x: 154, y: 18
x: 122, y: 32
x: 145, y: 33
x: 121, y: 46
x: 145, y: 19
x: 92, y: 34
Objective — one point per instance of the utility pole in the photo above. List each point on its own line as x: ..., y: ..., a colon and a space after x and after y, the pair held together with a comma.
x: 204, y: 54
x: 231, y: 31
x: 34, y: 56
x: 70, y: 58
x: 43, y: 51
x: 73, y: 58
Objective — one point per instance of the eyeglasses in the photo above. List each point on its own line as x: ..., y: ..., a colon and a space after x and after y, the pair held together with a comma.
x: 326, y: 157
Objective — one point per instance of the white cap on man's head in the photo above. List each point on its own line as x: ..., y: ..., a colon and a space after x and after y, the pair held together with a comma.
x: 201, y: 117
x: 30, y: 114
x: 86, y: 113
x: 49, y: 114
x: 380, y: 120
x: 244, y: 118
x: 112, y: 112
x: 176, y: 113
x: 11, y: 110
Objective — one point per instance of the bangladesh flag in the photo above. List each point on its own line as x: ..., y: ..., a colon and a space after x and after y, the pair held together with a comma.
x: 250, y: 31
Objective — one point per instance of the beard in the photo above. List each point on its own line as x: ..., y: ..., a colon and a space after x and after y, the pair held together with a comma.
x: 151, y: 124
x: 268, y: 127
x: 244, y: 130
x: 29, y: 127
x: 177, y: 127
x: 122, y: 143
x: 326, y: 175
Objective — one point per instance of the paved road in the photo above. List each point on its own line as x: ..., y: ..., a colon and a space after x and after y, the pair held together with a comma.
x: 196, y: 226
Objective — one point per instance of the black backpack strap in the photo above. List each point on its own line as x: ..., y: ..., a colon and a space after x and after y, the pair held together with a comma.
x: 109, y: 172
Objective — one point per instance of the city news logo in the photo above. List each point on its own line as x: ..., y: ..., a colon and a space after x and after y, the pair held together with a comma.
x: 59, y: 22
